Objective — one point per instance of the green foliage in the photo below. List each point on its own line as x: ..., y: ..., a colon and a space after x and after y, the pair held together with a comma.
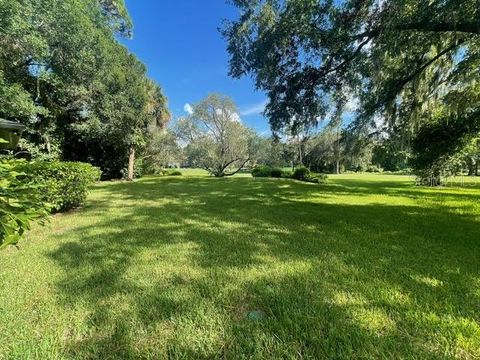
x: 268, y: 171
x: 320, y: 153
x: 66, y: 184
x: 437, y: 149
x: 301, y: 173
x: 64, y: 74
x: 373, y: 169
x: 304, y: 174
x: 20, y: 202
x: 471, y: 154
x: 400, y: 59
x: 216, y: 140
x: 287, y: 174
x: 31, y: 190
x: 38, y: 152
x: 391, y: 157
x: 161, y: 150
x: 15, y: 102
x: 262, y: 171
x: 269, y: 151
x: 276, y: 173
x: 171, y: 172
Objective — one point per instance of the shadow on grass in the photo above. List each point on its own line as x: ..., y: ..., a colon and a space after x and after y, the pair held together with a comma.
x: 175, y: 273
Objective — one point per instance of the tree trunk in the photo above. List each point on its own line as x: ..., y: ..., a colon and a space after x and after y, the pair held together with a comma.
x: 435, y: 179
x: 47, y: 144
x: 131, y: 164
x: 471, y: 171
x: 337, y: 152
x: 300, y: 153
x: 471, y: 167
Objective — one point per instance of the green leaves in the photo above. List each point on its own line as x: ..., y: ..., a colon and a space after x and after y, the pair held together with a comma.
x: 65, y: 184
x: 218, y: 141
x: 20, y: 203
x: 64, y: 74
x: 30, y: 191
x: 402, y: 58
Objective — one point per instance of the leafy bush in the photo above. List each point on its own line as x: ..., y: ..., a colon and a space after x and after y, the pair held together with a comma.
x: 304, y: 174
x: 276, y: 173
x: 65, y: 183
x: 301, y: 173
x: 172, y: 172
x: 262, y: 171
x: 267, y: 171
x: 30, y: 190
x: 322, y: 178
x: 20, y: 203
x: 287, y: 174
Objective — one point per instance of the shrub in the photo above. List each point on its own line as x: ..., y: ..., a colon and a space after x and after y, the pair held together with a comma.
x: 322, y: 178
x: 29, y: 191
x: 65, y: 184
x: 262, y: 171
x: 172, y: 172
x: 267, y: 171
x: 276, y: 172
x: 301, y: 173
x: 287, y: 174
x: 20, y: 203
x: 304, y: 174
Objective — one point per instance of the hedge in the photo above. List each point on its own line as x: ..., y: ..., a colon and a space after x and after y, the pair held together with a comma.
x: 65, y: 184
x: 267, y: 171
x: 301, y: 173
x: 30, y: 190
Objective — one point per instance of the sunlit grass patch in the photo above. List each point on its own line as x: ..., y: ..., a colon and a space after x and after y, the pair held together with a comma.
x: 367, y: 266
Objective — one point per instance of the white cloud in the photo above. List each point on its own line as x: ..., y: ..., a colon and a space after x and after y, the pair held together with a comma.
x: 188, y: 109
x: 254, y: 109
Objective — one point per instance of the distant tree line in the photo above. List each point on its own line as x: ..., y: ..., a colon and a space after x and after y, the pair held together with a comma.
x: 214, y: 138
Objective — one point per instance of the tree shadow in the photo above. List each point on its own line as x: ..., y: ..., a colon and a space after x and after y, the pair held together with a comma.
x: 178, y: 268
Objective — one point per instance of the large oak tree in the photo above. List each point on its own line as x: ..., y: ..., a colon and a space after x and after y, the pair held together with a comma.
x: 411, y: 63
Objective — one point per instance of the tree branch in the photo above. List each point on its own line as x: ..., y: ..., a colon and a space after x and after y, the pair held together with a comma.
x: 411, y: 76
x: 350, y: 58
x: 230, y: 163
x: 240, y: 168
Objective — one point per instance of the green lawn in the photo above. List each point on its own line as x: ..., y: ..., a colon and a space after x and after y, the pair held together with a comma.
x: 366, y: 266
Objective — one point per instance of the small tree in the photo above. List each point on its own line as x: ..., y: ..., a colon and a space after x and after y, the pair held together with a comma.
x: 217, y: 140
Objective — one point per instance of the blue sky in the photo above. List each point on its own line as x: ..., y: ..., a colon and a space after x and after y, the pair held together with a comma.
x: 184, y: 52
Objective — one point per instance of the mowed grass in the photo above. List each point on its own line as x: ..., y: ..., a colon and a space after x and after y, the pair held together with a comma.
x: 366, y: 266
